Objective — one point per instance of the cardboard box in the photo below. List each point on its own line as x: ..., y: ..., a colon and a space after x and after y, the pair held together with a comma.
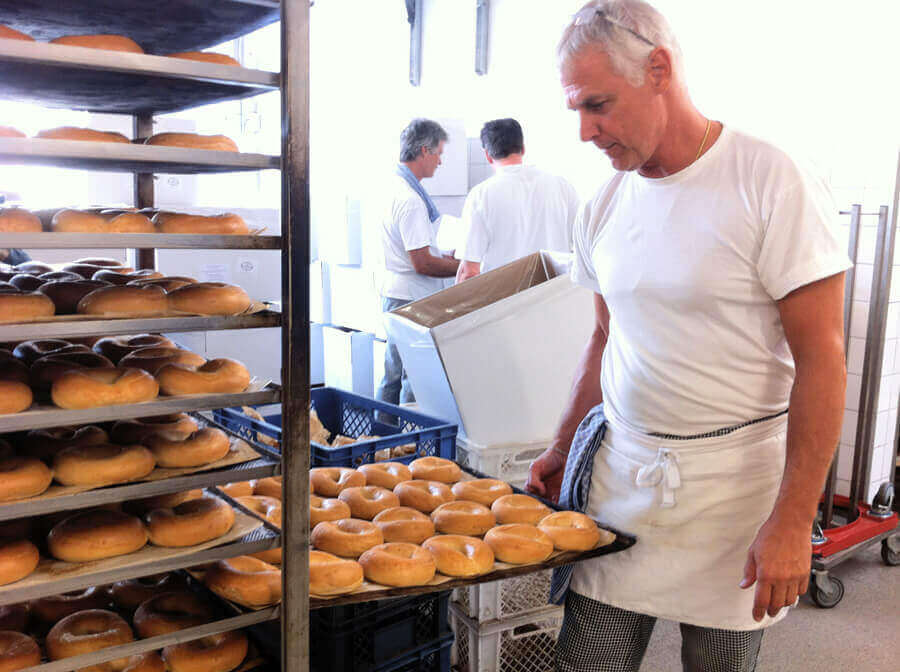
x: 497, y: 354
x: 348, y: 360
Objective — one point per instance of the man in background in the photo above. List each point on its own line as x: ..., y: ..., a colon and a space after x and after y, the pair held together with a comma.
x: 517, y: 211
x: 414, y: 265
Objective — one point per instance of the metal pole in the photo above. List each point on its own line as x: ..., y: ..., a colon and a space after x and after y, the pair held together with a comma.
x: 849, y: 283
x: 295, y: 330
x: 414, y: 16
x: 143, y: 190
x: 871, y: 377
x: 482, y: 19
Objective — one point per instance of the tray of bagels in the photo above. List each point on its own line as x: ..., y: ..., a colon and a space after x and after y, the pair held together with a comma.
x: 387, y: 529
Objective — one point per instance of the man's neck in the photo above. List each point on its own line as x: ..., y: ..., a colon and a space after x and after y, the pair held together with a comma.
x: 415, y: 168
x: 685, y: 136
x: 511, y: 160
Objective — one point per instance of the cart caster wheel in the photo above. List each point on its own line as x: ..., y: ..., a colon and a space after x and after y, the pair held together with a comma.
x: 890, y: 557
x: 823, y: 599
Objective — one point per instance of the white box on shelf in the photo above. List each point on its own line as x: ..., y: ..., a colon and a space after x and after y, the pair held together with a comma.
x: 507, y: 461
x: 319, y: 292
x: 379, y: 347
x: 316, y: 355
x: 348, y: 360
x: 497, y: 353
x: 505, y: 599
x: 355, y: 301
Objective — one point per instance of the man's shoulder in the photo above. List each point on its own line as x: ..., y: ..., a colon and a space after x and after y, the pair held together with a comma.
x: 768, y: 164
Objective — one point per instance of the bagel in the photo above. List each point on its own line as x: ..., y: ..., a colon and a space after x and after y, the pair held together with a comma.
x: 209, y: 298
x: 125, y: 300
x: 25, y: 307
x: 132, y: 593
x: 424, y: 496
x: 86, y: 632
x: 66, y: 294
x: 326, y: 509
x: 31, y: 351
x: 167, y: 501
x: 177, y: 426
x: 27, y: 283
x: 482, y: 490
x: 114, y: 277
x: 50, y: 610
x: 213, y: 653
x: 203, y: 447
x: 217, y: 376
x: 168, y: 282
x: 48, y: 369
x: 206, y: 57
x: 87, y: 271
x: 97, y: 534
x: 73, y: 133
x: 9, y: 131
x: 270, y: 510
x: 108, y: 42
x: 247, y: 581
x: 152, y: 359
x: 116, y: 347
x: 17, y: 220
x: 76, y: 221
x: 398, y: 564
x: 18, y: 559
x: 456, y: 555
x: 196, y: 521
x: 368, y: 501
x: 33, y: 267
x: 330, y: 481
x: 44, y: 444
x: 519, y: 544
x: 331, y: 575
x: 108, y: 262
x: 23, y: 477
x: 347, y: 538
x: 193, y: 141
x: 573, y: 531
x: 403, y: 524
x: 238, y: 489
x: 90, y: 388
x: 15, y: 397
x: 227, y: 224
x: 511, y: 509
x: 145, y: 662
x: 102, y: 464
x: 469, y: 519
x: 170, y: 612
x: 14, y: 617
x: 59, y: 275
x: 18, y: 651
x: 7, y: 33
x: 435, y: 469
x: 385, y: 474
x: 268, y: 487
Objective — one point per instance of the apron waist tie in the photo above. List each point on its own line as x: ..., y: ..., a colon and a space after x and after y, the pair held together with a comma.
x: 662, y: 471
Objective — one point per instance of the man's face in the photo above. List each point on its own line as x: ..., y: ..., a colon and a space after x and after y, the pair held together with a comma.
x: 624, y: 121
x: 431, y: 160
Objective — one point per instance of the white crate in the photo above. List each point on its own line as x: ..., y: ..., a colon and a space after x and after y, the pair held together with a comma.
x: 500, y: 600
x: 508, y: 461
x: 523, y: 644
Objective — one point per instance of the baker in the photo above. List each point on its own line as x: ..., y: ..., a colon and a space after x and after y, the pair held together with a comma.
x: 717, y: 356
x: 517, y: 211
x: 414, y: 265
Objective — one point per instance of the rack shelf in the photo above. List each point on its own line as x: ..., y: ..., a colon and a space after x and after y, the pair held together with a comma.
x: 128, y: 158
x: 160, y: 27
x: 96, y: 80
x: 170, y: 241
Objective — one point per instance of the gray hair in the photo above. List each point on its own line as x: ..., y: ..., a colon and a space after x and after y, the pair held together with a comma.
x: 420, y: 133
x: 626, y: 30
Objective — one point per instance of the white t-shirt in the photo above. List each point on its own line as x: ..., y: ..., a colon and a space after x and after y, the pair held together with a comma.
x: 517, y: 212
x: 405, y: 226
x: 691, y: 266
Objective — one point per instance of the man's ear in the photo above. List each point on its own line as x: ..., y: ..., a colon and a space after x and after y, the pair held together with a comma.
x: 424, y: 151
x: 659, y: 69
x: 490, y: 160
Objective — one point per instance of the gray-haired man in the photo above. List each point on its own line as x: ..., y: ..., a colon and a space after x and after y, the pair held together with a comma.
x: 414, y: 265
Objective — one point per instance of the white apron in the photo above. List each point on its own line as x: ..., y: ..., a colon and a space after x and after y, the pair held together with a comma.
x: 695, y: 507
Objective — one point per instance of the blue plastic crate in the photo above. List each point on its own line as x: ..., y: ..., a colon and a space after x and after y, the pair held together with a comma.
x: 353, y: 415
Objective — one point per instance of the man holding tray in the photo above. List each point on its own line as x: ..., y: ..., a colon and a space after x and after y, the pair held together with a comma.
x: 717, y: 354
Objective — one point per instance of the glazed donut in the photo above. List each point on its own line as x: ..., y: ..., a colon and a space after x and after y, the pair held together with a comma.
x: 87, y: 271
x: 116, y: 347
x: 523, y: 509
x: 31, y: 351
x: 18, y: 559
x: 14, y: 617
x: 25, y: 307
x: 519, y: 544
x: 145, y: 662
x: 26, y: 282
x: 86, y: 632
x: 33, y: 267
x: 167, y: 282
x: 385, y: 474
x: 102, y: 464
x: 270, y: 509
x: 435, y: 469
x: 90, y: 388
x: 168, y: 501
x: 573, y: 531
x: 174, y: 427
x: 206, y: 57
x: 482, y: 490
x: 152, y: 359
x: 75, y: 133
x: 457, y: 555
x: 170, y: 612
x: 45, y: 443
x: 23, y: 477
x: 193, y: 141
x: 204, y: 446
x: 17, y: 220
x: 7, y: 33
x: 18, y: 651
x: 330, y: 481
x: 47, y: 369
x: 108, y: 42
x: 15, y: 397
x: 348, y: 538
x: 50, y: 610
x: 66, y: 294
x: 196, y: 521
x: 424, y: 496
x: 97, y: 534
x: 125, y: 300
x: 398, y: 564
x: 331, y: 575
x: 469, y: 519
x: 368, y: 501
x: 238, y: 489
x: 268, y: 487
x: 227, y: 224
x: 404, y: 525
x: 248, y: 581
x: 209, y: 298
x: 326, y: 509
x: 132, y: 593
x: 213, y: 653
x: 217, y: 376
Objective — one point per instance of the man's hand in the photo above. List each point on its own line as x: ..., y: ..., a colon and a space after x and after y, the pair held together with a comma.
x: 546, y: 474
x: 779, y: 563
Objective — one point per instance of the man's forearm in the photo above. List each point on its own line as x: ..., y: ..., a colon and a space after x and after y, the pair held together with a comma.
x: 440, y: 267
x: 586, y: 392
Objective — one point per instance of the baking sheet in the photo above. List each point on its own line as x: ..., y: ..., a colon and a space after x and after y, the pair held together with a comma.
x: 255, y: 307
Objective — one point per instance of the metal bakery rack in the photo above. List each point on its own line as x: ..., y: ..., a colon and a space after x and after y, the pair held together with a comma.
x: 142, y: 85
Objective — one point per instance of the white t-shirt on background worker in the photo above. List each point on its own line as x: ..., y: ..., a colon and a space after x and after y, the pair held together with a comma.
x: 691, y: 267
x: 517, y: 212
x: 406, y: 226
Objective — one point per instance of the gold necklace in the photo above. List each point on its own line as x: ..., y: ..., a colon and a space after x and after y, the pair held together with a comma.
x: 703, y: 142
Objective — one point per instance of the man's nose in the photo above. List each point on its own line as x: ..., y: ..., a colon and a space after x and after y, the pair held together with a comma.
x: 589, y: 127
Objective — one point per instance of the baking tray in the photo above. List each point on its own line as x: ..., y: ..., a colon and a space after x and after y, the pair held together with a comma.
x: 170, y: 241
x: 368, y: 592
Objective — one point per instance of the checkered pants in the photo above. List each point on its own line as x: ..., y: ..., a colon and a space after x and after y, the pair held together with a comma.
x: 597, y: 637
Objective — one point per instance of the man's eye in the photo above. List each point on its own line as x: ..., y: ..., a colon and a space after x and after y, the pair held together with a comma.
x: 597, y: 107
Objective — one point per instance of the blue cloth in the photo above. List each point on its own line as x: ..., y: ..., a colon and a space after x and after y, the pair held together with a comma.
x: 403, y: 171
x: 576, y: 485
x: 16, y: 256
